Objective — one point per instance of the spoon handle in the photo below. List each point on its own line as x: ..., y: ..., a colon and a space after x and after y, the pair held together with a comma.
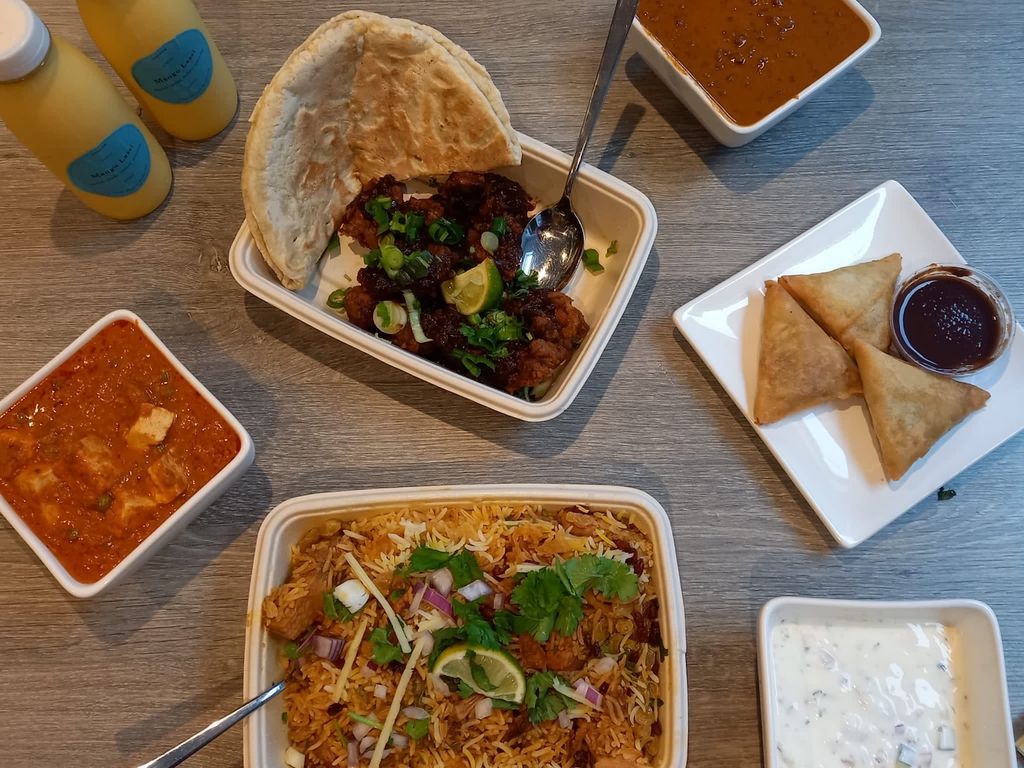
x: 622, y: 20
x: 189, y: 747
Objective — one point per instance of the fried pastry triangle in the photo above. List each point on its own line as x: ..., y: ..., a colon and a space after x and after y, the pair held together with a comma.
x: 800, y: 365
x: 852, y: 302
x: 910, y: 408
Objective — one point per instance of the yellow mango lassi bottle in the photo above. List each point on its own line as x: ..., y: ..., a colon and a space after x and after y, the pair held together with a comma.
x: 164, y: 54
x: 62, y: 107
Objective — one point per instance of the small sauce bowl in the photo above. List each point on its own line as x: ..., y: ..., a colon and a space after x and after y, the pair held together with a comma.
x: 951, y: 319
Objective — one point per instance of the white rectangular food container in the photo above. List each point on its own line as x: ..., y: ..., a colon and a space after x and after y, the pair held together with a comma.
x: 704, y: 108
x: 266, y: 739
x: 173, y: 524
x: 609, y: 209
x: 990, y: 738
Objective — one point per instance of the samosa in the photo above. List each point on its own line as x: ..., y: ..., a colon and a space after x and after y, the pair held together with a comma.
x: 910, y: 408
x: 851, y: 302
x: 800, y: 366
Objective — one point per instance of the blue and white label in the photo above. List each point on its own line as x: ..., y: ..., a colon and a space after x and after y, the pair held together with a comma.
x: 116, y: 167
x: 179, y: 71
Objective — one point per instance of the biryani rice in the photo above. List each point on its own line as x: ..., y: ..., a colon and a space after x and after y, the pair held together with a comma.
x: 502, y: 537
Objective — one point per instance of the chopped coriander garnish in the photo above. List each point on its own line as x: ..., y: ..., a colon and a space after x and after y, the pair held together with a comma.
x: 462, y: 564
x: 379, y: 208
x: 592, y: 261
x: 407, y: 224
x: 417, y: 729
x: 523, y: 283
x: 334, y: 609
x: 384, y: 651
x: 542, y: 701
x: 291, y: 651
x: 473, y: 362
x: 499, y: 226
x: 477, y: 629
x: 445, y: 231
x: 336, y: 299
x: 945, y: 494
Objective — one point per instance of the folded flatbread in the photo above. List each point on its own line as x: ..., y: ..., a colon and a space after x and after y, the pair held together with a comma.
x: 852, y: 302
x: 800, y: 365
x: 910, y: 408
x: 365, y: 95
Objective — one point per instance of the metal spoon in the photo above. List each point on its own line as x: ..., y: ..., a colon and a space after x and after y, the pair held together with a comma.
x: 553, y: 239
x: 189, y: 747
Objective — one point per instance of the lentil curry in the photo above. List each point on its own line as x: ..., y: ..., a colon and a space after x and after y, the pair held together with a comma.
x: 106, y: 448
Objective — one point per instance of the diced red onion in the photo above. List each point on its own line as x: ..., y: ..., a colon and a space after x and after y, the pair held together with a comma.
x: 416, y: 713
x: 439, y: 601
x: 604, y: 665
x: 353, y: 755
x: 359, y: 730
x: 564, y: 720
x: 400, y: 740
x: 367, y: 670
x: 484, y: 708
x: 327, y: 647
x: 475, y: 590
x: 428, y: 643
x: 367, y: 743
x: 440, y: 685
x: 380, y: 691
x: 585, y: 689
x: 443, y: 581
x: 499, y: 600
x: 417, y: 598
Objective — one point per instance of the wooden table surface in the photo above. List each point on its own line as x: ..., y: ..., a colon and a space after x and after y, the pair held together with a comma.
x: 936, y: 105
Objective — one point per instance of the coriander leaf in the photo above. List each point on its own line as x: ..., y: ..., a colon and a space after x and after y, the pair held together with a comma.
x: 523, y: 283
x: 427, y: 559
x: 334, y: 609
x: 610, y: 577
x: 502, y: 704
x: 384, y: 651
x: 464, y: 568
x: 479, y: 673
x: 417, y: 729
x: 291, y: 650
x: 569, y: 616
x: 444, y: 638
x: 478, y: 630
x: 540, y: 599
x: 542, y: 701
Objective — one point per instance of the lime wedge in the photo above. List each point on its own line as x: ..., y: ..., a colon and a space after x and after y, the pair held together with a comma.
x: 493, y: 673
x: 475, y: 290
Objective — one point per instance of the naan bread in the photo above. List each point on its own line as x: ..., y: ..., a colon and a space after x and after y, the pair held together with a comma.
x: 365, y: 95
x: 910, y: 408
x: 800, y: 366
x: 852, y: 302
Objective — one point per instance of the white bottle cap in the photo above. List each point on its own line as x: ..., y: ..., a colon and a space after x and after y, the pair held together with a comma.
x: 24, y: 40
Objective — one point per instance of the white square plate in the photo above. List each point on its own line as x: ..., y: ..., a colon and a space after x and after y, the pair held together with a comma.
x: 609, y: 209
x: 829, y: 451
x: 989, y: 741
x: 265, y: 739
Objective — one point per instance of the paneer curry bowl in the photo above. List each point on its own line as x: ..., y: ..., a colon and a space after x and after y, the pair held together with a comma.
x: 109, y: 450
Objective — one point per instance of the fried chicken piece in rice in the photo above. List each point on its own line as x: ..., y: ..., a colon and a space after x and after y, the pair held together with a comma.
x: 360, y: 225
x: 560, y: 654
x: 359, y: 306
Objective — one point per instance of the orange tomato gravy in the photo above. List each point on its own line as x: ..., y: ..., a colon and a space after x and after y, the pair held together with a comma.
x: 752, y: 56
x: 106, y: 448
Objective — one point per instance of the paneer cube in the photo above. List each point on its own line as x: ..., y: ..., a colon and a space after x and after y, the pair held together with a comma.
x: 128, y: 506
x: 151, y: 427
x: 16, y: 451
x: 167, y: 479
x: 36, y: 479
x: 94, y: 463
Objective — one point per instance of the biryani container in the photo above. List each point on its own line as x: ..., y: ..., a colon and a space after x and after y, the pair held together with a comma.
x: 610, y: 210
x: 265, y: 737
x: 176, y: 522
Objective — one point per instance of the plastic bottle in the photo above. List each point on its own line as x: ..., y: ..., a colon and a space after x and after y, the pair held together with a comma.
x: 62, y: 107
x: 164, y: 54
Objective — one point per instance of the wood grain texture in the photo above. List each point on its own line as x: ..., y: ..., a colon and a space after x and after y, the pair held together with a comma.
x: 937, y: 105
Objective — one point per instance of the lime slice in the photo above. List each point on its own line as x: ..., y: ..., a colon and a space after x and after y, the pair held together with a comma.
x: 475, y: 290
x: 500, y: 673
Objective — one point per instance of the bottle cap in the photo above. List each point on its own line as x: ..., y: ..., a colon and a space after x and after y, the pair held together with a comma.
x: 24, y: 40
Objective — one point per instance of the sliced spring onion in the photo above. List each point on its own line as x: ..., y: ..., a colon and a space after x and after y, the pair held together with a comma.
x: 489, y: 242
x: 445, y: 231
x: 336, y: 299
x: 365, y: 720
x: 391, y: 259
x: 396, y: 704
x: 389, y: 317
x: 475, y: 590
x: 432, y: 597
x: 443, y: 581
x: 327, y: 647
x: 592, y: 261
x: 396, y: 623
x: 293, y: 758
x: 413, y: 307
x: 378, y: 208
x: 499, y: 226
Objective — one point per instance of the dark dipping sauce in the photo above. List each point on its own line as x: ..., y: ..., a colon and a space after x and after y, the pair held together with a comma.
x: 947, y: 323
x: 752, y: 56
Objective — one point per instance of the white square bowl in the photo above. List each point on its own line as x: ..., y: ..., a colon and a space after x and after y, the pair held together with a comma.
x: 173, y: 524
x: 265, y: 739
x: 609, y: 209
x: 829, y: 451
x: 990, y: 737
x: 704, y: 108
